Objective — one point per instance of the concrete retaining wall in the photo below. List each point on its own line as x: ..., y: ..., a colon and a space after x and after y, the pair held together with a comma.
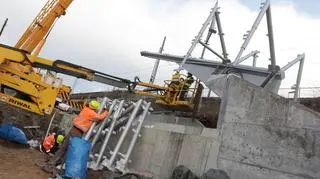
x: 165, y: 146
x: 265, y: 136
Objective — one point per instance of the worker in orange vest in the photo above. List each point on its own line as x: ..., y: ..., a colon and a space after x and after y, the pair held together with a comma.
x: 51, y: 143
x: 88, y: 115
x: 80, y: 125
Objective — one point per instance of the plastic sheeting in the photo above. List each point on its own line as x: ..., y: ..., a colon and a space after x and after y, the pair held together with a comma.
x: 77, y: 158
x: 12, y: 133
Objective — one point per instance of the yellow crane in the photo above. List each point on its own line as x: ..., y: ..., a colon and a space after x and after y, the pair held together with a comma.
x: 22, y: 86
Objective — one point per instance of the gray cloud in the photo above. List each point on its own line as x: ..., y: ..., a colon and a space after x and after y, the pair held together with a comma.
x: 109, y: 35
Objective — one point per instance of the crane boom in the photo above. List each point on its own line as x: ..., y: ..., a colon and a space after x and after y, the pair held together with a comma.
x: 41, y: 25
x: 23, y: 87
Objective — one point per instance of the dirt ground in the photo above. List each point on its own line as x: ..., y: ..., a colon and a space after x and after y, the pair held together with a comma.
x: 17, y: 162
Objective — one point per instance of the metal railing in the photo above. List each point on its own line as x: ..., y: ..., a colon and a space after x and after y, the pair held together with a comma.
x: 303, y: 92
x: 180, y: 90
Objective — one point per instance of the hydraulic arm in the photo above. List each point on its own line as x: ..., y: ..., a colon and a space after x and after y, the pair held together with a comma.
x: 22, y: 86
x: 28, y: 90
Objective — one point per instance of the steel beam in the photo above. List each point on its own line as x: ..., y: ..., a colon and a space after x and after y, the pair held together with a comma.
x: 3, y: 26
x: 156, y: 64
x: 290, y: 64
x: 271, y: 41
x: 221, y: 34
x: 210, y: 31
x: 198, y: 37
x: 296, y: 93
x: 251, y: 54
x: 211, y: 50
x: 209, y: 63
x: 253, y: 29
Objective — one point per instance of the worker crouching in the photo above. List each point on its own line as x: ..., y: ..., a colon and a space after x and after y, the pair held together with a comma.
x: 51, y: 143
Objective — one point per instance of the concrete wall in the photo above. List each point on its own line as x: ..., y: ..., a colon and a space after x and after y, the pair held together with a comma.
x: 165, y: 146
x: 207, y: 112
x: 265, y: 136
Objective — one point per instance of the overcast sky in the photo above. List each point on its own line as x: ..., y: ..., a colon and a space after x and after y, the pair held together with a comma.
x: 108, y: 35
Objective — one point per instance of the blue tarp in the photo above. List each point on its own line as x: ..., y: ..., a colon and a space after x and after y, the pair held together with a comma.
x: 11, y: 133
x: 77, y: 158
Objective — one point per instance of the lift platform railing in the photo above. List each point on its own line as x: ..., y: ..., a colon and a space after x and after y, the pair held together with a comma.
x: 177, y: 92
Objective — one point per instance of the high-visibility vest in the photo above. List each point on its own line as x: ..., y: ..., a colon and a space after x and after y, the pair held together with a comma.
x: 49, y: 142
x: 85, y: 118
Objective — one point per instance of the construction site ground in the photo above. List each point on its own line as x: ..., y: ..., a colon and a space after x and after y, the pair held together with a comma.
x: 18, y: 161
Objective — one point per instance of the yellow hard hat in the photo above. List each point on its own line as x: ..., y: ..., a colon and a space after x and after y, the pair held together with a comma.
x: 94, y: 104
x: 60, y: 139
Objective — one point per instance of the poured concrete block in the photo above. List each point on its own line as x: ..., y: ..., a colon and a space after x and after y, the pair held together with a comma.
x: 282, y: 149
x: 267, y: 136
x: 237, y: 170
x: 302, y: 117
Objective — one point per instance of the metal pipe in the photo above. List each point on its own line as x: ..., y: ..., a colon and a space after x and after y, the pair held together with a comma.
x: 136, y: 134
x: 254, y: 62
x: 74, y: 86
x: 156, y: 64
x: 290, y: 64
x: 271, y: 41
x: 210, y: 31
x: 209, y: 93
x: 296, y: 93
x: 253, y: 29
x: 196, y: 40
x: 128, y: 110
x: 253, y: 53
x: 104, y: 122
x: 88, y: 134
x: 268, y: 79
x: 54, y: 114
x: 223, y: 44
x: 124, y: 133
x: 211, y: 50
x: 3, y: 26
x: 107, y: 138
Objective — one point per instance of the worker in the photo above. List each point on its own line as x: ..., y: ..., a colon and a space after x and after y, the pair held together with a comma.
x: 80, y: 125
x: 175, y: 78
x: 187, y: 83
x: 87, y: 116
x: 51, y: 143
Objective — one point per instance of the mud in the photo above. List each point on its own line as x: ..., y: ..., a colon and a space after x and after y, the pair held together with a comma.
x: 17, y: 161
